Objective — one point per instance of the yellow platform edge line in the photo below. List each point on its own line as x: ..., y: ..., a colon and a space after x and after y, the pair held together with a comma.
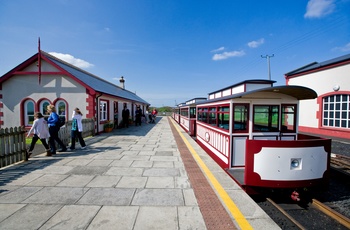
x: 230, y: 205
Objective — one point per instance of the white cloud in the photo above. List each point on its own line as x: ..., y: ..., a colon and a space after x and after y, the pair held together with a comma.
x: 319, y: 8
x: 255, y: 44
x: 72, y: 60
x: 226, y: 55
x: 345, y: 48
x: 219, y: 49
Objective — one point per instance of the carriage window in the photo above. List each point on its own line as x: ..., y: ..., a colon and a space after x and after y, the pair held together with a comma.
x: 184, y: 112
x: 288, y: 118
x: 28, y: 113
x: 224, y: 117
x: 192, y: 112
x: 240, y: 118
x: 212, y: 116
x: 203, y: 114
x: 265, y: 118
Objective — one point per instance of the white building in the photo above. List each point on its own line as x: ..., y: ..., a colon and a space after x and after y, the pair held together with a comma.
x: 44, y: 79
x: 329, y: 113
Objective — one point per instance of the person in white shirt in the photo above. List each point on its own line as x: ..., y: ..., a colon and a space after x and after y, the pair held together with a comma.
x: 41, y: 131
x: 77, y: 129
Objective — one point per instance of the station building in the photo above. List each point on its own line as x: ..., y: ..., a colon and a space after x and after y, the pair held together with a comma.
x: 44, y: 79
x: 328, y: 114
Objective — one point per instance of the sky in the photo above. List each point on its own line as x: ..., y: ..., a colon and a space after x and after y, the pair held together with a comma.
x: 171, y: 51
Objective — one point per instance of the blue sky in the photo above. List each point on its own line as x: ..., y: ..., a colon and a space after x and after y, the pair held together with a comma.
x: 170, y: 51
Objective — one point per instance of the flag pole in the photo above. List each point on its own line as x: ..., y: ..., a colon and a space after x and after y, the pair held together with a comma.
x: 39, y: 61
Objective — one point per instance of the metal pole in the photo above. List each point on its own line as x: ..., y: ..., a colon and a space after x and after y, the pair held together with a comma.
x: 268, y: 64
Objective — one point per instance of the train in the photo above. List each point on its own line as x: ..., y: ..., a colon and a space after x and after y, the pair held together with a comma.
x: 251, y: 130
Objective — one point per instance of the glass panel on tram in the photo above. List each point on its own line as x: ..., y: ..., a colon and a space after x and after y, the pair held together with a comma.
x: 288, y: 118
x: 240, y: 118
x: 224, y: 117
x: 265, y: 118
x: 212, y: 116
x: 193, y: 112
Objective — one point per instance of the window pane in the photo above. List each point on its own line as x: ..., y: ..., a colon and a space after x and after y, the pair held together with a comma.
x: 265, y: 118
x: 29, y: 113
x: 240, y: 118
x: 61, y: 108
x: 288, y: 118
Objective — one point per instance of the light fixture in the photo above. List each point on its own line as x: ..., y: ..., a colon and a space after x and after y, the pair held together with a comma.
x: 295, y: 163
x: 336, y: 87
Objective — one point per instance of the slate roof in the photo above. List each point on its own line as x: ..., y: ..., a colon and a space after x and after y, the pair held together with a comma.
x: 316, y: 65
x: 96, y: 83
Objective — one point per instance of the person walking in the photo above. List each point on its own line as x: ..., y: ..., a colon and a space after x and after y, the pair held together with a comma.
x: 77, y: 129
x: 54, y: 129
x: 138, y: 115
x: 125, y: 116
x: 41, y: 131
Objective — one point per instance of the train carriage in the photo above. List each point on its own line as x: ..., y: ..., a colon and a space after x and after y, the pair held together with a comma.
x: 250, y: 129
x: 188, y: 115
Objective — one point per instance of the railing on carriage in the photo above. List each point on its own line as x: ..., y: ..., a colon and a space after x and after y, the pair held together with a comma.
x: 13, y: 141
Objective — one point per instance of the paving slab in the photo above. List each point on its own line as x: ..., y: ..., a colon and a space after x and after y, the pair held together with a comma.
x: 131, y: 178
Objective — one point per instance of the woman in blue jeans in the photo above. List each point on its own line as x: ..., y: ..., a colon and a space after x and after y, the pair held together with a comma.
x: 54, y: 128
x: 77, y: 129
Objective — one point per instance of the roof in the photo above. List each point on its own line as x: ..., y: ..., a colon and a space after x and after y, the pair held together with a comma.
x: 316, y: 65
x: 96, y: 83
x: 253, y: 81
x: 298, y: 92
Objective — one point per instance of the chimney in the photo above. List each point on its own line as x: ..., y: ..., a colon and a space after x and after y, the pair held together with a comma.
x: 122, y: 85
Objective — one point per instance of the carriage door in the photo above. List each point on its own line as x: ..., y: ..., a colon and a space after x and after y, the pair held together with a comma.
x: 240, y: 133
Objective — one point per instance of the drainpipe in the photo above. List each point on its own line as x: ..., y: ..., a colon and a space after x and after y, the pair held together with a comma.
x: 97, y: 111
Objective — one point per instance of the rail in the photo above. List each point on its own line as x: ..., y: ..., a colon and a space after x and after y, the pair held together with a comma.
x: 13, y: 141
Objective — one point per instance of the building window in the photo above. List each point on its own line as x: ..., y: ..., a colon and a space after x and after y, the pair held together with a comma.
x: 265, y: 118
x: 336, y: 111
x: 61, y: 108
x: 103, y: 110
x: 43, y: 107
x: 28, y: 113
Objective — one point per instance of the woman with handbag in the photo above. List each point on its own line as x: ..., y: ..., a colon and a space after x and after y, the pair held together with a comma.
x: 54, y: 128
x: 77, y: 129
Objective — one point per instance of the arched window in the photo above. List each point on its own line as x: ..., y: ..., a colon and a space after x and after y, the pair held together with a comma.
x: 61, y: 108
x: 28, y: 113
x: 43, y: 107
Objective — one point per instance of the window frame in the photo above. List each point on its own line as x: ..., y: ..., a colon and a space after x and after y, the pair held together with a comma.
x: 269, y: 120
x: 246, y: 113
x: 27, y: 120
x: 103, y: 106
x: 336, y: 111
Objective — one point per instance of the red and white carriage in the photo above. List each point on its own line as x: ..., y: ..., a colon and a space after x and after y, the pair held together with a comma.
x: 251, y: 130
x: 188, y: 115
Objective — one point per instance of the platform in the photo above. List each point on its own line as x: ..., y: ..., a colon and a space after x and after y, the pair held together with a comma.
x: 152, y: 176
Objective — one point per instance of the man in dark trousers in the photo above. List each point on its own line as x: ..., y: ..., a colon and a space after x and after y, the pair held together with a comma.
x: 125, y: 116
x: 138, y: 115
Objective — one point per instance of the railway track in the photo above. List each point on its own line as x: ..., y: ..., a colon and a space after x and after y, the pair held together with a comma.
x: 316, y: 215
x: 341, y: 163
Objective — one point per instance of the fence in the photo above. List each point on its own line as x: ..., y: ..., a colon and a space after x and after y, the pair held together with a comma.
x: 13, y: 141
